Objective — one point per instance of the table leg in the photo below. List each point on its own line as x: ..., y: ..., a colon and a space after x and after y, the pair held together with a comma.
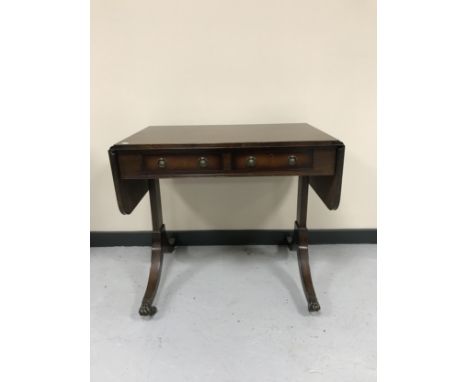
x: 300, y: 242
x: 160, y: 244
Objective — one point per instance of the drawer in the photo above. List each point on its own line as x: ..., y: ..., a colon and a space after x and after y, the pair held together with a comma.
x: 186, y: 162
x: 141, y: 165
x: 274, y: 160
x: 314, y: 161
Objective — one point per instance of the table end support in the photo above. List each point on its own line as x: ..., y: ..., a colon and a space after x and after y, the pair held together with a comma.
x: 161, y: 243
x: 300, y: 242
x: 157, y: 255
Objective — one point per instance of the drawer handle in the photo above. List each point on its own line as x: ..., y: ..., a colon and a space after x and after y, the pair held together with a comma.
x: 292, y: 160
x: 162, y: 163
x: 203, y: 162
x: 251, y: 161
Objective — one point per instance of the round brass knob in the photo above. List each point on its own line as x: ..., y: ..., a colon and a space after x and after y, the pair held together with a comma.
x: 251, y: 161
x: 203, y: 162
x: 162, y: 163
x: 292, y: 160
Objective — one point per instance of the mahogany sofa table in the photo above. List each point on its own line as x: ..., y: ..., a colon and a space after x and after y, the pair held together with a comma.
x: 294, y: 149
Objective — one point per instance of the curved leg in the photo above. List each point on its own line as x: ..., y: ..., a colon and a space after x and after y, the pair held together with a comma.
x: 304, y: 269
x: 147, y: 308
x: 301, y: 239
x: 161, y: 243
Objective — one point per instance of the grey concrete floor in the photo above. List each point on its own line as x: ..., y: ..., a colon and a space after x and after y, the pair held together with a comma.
x: 234, y: 314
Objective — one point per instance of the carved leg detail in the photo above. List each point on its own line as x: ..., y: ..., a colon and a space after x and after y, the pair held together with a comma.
x: 147, y: 309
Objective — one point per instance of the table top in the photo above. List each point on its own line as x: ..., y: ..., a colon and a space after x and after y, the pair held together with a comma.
x: 227, y: 150
x: 281, y: 134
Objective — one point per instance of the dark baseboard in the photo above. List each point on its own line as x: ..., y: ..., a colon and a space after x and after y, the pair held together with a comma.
x: 233, y: 237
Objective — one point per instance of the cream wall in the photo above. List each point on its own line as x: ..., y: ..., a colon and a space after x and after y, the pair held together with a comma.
x: 225, y: 62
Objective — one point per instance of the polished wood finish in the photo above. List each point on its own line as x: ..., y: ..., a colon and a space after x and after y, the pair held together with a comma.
x: 224, y: 136
x: 129, y: 192
x: 139, y: 161
x: 328, y: 188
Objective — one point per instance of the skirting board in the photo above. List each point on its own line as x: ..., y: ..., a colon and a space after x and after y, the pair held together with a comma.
x: 233, y: 237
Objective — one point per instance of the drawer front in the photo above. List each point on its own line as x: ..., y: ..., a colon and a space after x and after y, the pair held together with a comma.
x: 272, y: 160
x: 315, y: 161
x: 144, y: 165
x: 185, y: 163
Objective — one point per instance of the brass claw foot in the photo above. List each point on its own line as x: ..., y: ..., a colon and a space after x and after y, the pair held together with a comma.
x: 314, y: 306
x: 147, y: 309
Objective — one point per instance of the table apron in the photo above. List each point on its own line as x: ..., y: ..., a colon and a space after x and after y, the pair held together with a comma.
x: 245, y: 162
